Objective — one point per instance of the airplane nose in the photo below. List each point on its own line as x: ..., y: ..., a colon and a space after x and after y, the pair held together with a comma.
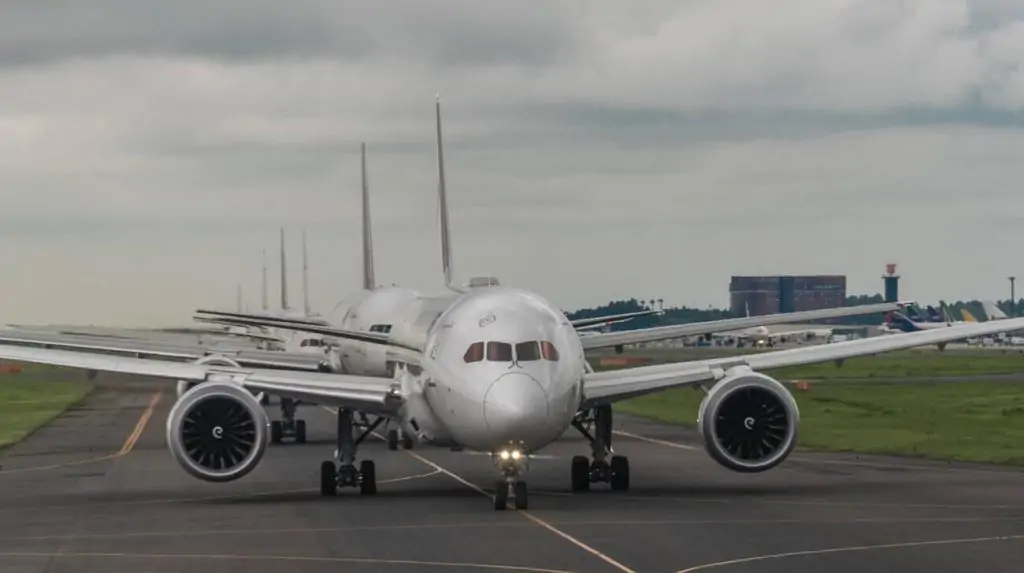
x: 514, y: 402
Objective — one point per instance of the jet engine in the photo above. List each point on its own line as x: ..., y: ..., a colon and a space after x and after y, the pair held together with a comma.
x: 217, y: 431
x: 210, y: 360
x: 748, y: 421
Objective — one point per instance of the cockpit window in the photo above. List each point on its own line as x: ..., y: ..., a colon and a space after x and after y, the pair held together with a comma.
x: 499, y: 352
x: 549, y: 351
x: 527, y: 351
x: 385, y: 328
x: 475, y: 352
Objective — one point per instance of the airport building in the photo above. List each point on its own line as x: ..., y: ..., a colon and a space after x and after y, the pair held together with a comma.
x: 773, y: 294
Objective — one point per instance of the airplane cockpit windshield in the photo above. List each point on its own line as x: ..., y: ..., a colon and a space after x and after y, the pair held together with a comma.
x: 493, y: 351
x: 314, y: 342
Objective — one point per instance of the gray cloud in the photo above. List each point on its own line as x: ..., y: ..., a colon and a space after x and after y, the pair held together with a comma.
x: 595, y: 149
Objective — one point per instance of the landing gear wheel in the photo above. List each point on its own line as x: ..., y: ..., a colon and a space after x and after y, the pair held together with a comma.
x: 328, y: 479
x: 392, y: 439
x: 500, y: 495
x: 406, y: 441
x: 300, y: 431
x: 276, y: 432
x: 367, y: 477
x: 620, y: 473
x: 521, y: 497
x: 580, y: 473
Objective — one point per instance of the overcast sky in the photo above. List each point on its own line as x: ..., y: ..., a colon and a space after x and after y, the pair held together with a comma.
x: 149, y: 150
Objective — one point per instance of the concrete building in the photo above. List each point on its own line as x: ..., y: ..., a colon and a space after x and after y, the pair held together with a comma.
x: 773, y: 294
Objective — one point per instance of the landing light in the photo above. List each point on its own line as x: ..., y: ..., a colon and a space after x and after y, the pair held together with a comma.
x: 510, y: 454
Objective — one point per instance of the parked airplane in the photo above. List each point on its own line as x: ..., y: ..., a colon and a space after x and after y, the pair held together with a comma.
x: 499, y: 370
x: 762, y: 335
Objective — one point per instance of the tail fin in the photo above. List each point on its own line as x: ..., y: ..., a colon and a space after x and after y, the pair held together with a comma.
x: 305, y: 277
x: 284, y: 276
x: 933, y: 314
x: 968, y: 317
x: 265, y: 299
x: 992, y: 311
x: 442, y: 195
x: 369, y: 280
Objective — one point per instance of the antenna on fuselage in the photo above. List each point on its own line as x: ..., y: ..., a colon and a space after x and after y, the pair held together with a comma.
x: 369, y: 280
x: 442, y: 195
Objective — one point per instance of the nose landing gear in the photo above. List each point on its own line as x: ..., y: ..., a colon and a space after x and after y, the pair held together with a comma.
x: 614, y: 471
x: 513, y: 463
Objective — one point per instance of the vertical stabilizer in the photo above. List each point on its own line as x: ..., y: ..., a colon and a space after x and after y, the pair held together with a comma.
x: 369, y: 280
x: 305, y: 277
x: 284, y: 276
x: 446, y: 248
x: 266, y: 298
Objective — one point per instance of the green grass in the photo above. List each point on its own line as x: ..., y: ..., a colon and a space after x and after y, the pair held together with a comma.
x: 969, y: 421
x: 35, y: 396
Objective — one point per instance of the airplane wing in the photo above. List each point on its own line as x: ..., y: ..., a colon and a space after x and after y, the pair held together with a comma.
x: 142, y: 348
x: 364, y: 393
x: 608, y: 339
x: 229, y: 317
x: 609, y: 319
x: 614, y: 385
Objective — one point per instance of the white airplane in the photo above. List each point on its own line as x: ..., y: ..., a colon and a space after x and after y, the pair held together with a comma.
x: 498, y: 370
x: 763, y: 335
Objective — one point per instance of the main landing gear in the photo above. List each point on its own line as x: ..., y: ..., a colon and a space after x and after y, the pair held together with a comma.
x: 513, y: 463
x: 288, y: 426
x: 395, y: 435
x: 584, y: 472
x: 343, y: 472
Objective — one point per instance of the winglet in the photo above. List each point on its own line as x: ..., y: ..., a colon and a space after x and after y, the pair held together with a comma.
x: 369, y: 280
x: 446, y: 247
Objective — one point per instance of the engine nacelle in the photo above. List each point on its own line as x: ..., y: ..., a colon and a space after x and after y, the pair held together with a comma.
x: 211, y: 360
x: 217, y: 431
x: 748, y: 421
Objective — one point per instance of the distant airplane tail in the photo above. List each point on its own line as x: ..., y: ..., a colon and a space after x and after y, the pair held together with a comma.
x: 992, y: 311
x: 900, y: 321
x: 369, y: 278
x: 442, y: 195
x: 934, y: 315
x: 968, y: 317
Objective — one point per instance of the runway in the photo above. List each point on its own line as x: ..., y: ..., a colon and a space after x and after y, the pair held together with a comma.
x: 97, y: 491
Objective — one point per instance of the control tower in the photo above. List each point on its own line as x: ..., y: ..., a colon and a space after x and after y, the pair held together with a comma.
x: 892, y: 283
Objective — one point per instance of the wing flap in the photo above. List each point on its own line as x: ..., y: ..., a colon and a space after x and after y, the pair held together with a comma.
x: 614, y: 385
x: 608, y: 339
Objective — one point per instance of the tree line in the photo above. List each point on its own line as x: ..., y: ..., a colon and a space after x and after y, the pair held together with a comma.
x: 685, y: 314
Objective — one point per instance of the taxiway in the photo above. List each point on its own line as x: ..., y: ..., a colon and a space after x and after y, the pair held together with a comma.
x: 97, y: 491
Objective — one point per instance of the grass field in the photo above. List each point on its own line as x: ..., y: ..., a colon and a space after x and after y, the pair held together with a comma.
x: 917, y: 363
x: 969, y: 421
x: 35, y: 396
